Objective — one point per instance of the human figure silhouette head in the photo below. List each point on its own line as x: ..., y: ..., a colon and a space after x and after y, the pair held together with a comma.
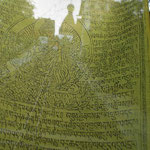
x: 70, y: 8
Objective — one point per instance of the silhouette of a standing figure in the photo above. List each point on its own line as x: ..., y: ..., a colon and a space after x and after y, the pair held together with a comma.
x: 69, y: 20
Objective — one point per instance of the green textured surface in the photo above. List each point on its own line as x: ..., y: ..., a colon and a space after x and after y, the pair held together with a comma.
x: 88, y: 90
